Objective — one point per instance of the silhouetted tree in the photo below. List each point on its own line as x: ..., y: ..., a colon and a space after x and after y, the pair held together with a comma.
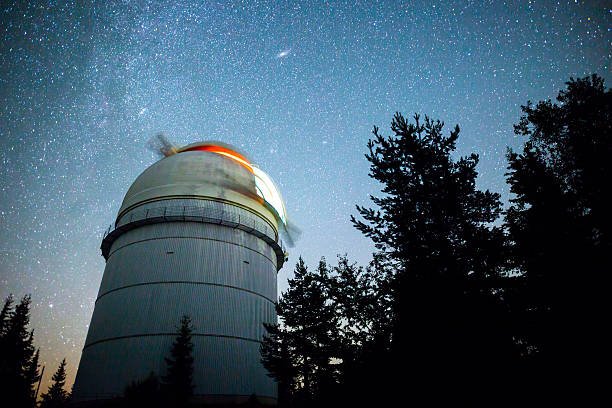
x: 178, y: 383
x: 434, y: 227
x: 19, y: 361
x: 56, y: 396
x: 31, y: 375
x: 306, y: 339
x: 280, y: 362
x: 560, y: 225
x: 144, y: 393
x: 5, y: 315
x: 362, y: 301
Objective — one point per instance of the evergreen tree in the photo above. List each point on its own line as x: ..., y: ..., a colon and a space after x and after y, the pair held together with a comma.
x: 430, y: 211
x: 5, y: 316
x: 19, y: 361
x: 32, y: 376
x: 362, y: 301
x: 349, y: 290
x: 279, y: 360
x: 560, y: 225
x: 306, y: 340
x: 378, y: 296
x: 434, y: 228
x: 178, y: 382
x: 56, y: 396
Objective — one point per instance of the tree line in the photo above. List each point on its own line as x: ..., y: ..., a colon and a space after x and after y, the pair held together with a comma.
x: 464, y: 303
x: 20, y: 373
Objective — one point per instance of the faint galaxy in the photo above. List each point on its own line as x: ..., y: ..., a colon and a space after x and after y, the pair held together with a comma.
x: 297, y: 85
x: 283, y: 53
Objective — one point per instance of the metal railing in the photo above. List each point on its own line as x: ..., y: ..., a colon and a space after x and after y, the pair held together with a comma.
x: 212, y: 214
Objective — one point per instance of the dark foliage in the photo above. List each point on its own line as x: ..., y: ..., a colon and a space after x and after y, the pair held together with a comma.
x: 435, y: 228
x: 425, y: 319
x: 31, y: 374
x: 19, y: 359
x: 56, y: 396
x: 144, y: 393
x: 363, y: 304
x: 334, y: 334
x: 5, y: 315
x: 178, y: 382
x: 430, y: 211
x: 560, y: 225
x: 279, y: 360
x: 299, y: 353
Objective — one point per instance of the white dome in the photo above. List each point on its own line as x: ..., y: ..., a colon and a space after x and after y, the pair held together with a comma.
x: 198, y: 174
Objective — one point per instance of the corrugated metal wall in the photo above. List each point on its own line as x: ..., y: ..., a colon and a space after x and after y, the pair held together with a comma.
x: 224, y: 278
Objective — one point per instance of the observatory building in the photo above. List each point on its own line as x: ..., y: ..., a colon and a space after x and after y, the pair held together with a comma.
x: 197, y: 234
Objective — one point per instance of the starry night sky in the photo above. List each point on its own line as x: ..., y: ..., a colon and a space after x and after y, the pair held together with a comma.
x: 298, y: 86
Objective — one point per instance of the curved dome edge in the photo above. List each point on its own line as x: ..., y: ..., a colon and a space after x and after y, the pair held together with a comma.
x: 198, y: 175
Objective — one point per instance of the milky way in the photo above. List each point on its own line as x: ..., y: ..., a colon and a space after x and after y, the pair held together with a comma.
x: 298, y: 87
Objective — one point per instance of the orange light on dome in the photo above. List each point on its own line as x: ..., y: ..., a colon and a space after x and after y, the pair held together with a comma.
x: 225, y: 152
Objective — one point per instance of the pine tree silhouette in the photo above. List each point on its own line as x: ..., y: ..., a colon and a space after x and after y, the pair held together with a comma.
x: 56, y: 396
x: 31, y: 375
x: 560, y: 225
x: 19, y: 360
x: 433, y: 226
x: 361, y: 299
x: 280, y: 362
x: 5, y: 315
x: 299, y: 353
x: 178, y: 383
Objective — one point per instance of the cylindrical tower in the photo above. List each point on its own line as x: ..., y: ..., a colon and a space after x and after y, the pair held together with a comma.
x: 197, y: 234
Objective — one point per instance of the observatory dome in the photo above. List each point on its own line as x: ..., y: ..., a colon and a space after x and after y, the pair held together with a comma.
x: 209, y: 172
x: 197, y: 234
